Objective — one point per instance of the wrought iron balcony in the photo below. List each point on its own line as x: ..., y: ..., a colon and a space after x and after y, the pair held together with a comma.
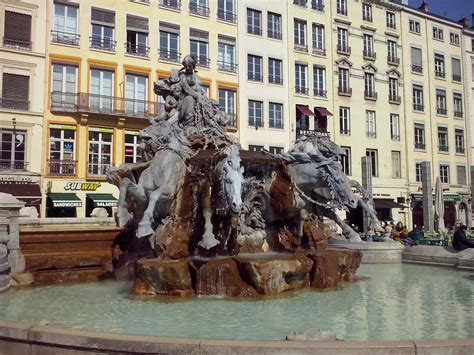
x: 15, y: 104
x: 105, y: 44
x: 232, y: 123
x: 228, y: 67
x: 342, y: 11
x: 343, y: 49
x: 441, y: 111
x: 301, y: 47
x: 394, y: 99
x: 16, y: 44
x: 417, y: 68
x: 319, y: 51
x: 301, y: 3
x: 392, y: 60
x: 395, y: 137
x: 460, y: 150
x: 226, y: 16
x: 419, y: 145
x: 62, y: 167
x: 346, y: 132
x: 169, y: 55
x: 255, y: 77
x: 200, y: 10
x: 418, y: 107
x: 171, y: 4
x: 440, y: 74
x: 370, y: 95
x: 273, y: 124
x: 275, y: 80
x: 443, y: 148
x: 458, y: 114
x: 301, y: 90
x: 71, y: 39
x: 369, y: 54
x: 202, y: 61
x: 320, y: 93
x: 254, y: 30
x: 316, y: 5
x: 367, y: 18
x: 138, y: 50
x: 457, y: 78
x: 274, y: 34
x: 98, y: 169
x: 18, y: 165
x: 102, y: 105
x: 371, y: 134
x: 344, y: 91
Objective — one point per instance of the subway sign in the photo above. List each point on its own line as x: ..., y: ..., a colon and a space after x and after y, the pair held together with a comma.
x: 82, y: 186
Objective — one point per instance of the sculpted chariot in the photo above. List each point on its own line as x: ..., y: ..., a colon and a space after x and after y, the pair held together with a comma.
x: 197, y: 200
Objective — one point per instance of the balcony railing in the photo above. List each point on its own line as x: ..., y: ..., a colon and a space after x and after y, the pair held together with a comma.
x: 226, y: 16
x: 105, y: 44
x: 202, y: 61
x: 16, y: 44
x: 443, y: 148
x: 367, y: 18
x: 394, y: 99
x: 342, y: 11
x: 98, y: 169
x: 274, y: 34
x: 391, y: 60
x: 171, y: 4
x: 169, y: 56
x: 254, y: 76
x: 301, y: 47
x: 301, y: 90
x: 200, y: 10
x: 418, y: 107
x: 275, y: 80
x: 62, y: 167
x: 319, y: 51
x: 7, y: 164
x: 458, y: 114
x: 369, y: 54
x: 301, y: 3
x: 440, y: 74
x: 254, y: 30
x: 138, y: 50
x: 71, y: 39
x: 275, y: 124
x: 346, y: 132
x: 370, y: 95
x: 420, y: 145
x: 395, y: 137
x: 344, y: 91
x: 312, y: 132
x: 15, y: 104
x: 441, y: 111
x: 417, y: 68
x: 460, y: 150
x: 232, y: 123
x: 228, y: 67
x: 457, y: 78
x: 343, y: 49
x: 316, y: 5
x: 104, y: 105
x: 371, y: 134
x: 320, y: 93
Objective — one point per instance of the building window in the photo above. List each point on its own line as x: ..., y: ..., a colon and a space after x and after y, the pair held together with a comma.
x: 256, y: 148
x: 226, y: 11
x: 345, y: 120
x: 199, y: 45
x: 346, y: 160
x: 393, y: 90
x: 367, y: 12
x: 274, y: 25
x: 418, y: 172
x: 276, y: 150
x: 369, y: 86
x: 301, y: 3
x: 456, y: 67
x: 199, y: 7
x: 458, y: 111
x: 169, y: 42
x: 275, y: 71
x: 132, y: 147
x: 394, y: 127
x: 341, y: 7
x: 370, y: 124
x: 254, y: 22
x: 372, y: 154
x: 454, y: 38
x: 441, y: 102
x: 226, y: 54
x: 275, y: 115
x: 15, y: 92
x: 319, y: 81
x: 172, y: 4
x: 317, y: 5
x: 101, y: 90
x: 461, y: 173
x: 301, y: 86
x: 254, y: 68
x: 443, y: 139
x: 396, y: 165
x: 62, y: 150
x: 137, y: 36
x: 439, y: 65
x: 66, y: 24
x: 416, y: 61
x: 418, y: 98
x: 392, y: 56
x: 12, y: 150
x: 369, y: 47
x: 420, y: 136
x: 390, y: 17
x: 459, y: 140
x: 344, y: 81
x: 300, y: 34
x: 17, y: 31
x: 444, y: 173
x: 228, y: 104
x: 64, y: 85
x: 100, y: 151
x: 255, y: 113
x: 319, y: 46
x: 103, y: 27
x: 342, y: 41
x: 136, y: 94
x: 414, y: 26
x: 438, y: 33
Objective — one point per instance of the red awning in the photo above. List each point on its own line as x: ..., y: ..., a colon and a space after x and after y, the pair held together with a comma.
x: 304, y: 110
x: 323, y: 111
x: 29, y: 193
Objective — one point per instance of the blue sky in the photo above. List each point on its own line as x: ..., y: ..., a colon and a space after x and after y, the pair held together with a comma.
x: 453, y: 9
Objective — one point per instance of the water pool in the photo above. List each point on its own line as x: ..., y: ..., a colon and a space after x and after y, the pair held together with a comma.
x: 388, y: 302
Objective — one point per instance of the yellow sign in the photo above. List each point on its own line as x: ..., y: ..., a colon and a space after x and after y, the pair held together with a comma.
x: 82, y: 186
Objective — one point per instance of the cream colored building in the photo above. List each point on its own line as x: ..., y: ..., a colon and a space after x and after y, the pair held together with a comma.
x: 22, y: 77
x: 103, y: 57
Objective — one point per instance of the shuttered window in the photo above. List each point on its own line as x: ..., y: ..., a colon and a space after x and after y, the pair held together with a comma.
x: 169, y: 27
x: 17, y: 29
x: 456, y: 64
x: 103, y: 17
x: 138, y: 24
x: 416, y: 57
x: 197, y: 35
x: 15, y: 89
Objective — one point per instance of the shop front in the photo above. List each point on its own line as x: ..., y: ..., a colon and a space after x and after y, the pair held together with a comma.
x: 23, y: 187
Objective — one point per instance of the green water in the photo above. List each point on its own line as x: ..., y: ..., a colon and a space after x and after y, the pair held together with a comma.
x: 388, y: 302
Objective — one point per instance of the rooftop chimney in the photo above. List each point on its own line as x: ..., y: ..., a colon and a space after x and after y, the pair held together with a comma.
x: 424, y: 6
x: 464, y: 22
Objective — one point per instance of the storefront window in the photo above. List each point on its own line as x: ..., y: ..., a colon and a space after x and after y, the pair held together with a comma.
x: 132, y: 150
x: 100, y: 151
x: 62, y: 143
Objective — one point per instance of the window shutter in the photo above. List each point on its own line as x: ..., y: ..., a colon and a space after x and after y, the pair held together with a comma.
x: 456, y: 63
x: 226, y: 40
x: 416, y: 56
x: 461, y: 172
x: 138, y: 24
x: 17, y: 26
x: 15, y: 86
x: 169, y: 27
x: 197, y: 35
x: 103, y: 17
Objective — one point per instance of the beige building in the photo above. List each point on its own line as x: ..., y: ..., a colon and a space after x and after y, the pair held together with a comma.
x: 22, y: 77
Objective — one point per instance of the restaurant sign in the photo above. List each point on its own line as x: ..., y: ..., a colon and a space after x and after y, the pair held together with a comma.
x: 82, y: 186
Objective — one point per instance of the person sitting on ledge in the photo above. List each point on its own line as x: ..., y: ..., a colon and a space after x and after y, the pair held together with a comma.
x: 460, y: 239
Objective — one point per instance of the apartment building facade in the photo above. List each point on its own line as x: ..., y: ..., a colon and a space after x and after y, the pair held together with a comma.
x: 22, y: 70
x: 103, y: 57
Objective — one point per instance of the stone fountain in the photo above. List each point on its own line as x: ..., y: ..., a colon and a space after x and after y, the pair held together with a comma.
x: 201, y: 216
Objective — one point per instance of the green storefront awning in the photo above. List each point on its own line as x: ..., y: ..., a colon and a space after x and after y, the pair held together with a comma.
x: 103, y: 200
x: 65, y: 200
x: 453, y: 196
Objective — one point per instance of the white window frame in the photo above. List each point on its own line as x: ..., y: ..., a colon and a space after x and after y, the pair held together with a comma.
x: 394, y: 127
x: 371, y: 124
x: 101, y: 166
x: 345, y: 120
x: 275, y: 115
x: 135, y: 145
x: 444, y: 173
